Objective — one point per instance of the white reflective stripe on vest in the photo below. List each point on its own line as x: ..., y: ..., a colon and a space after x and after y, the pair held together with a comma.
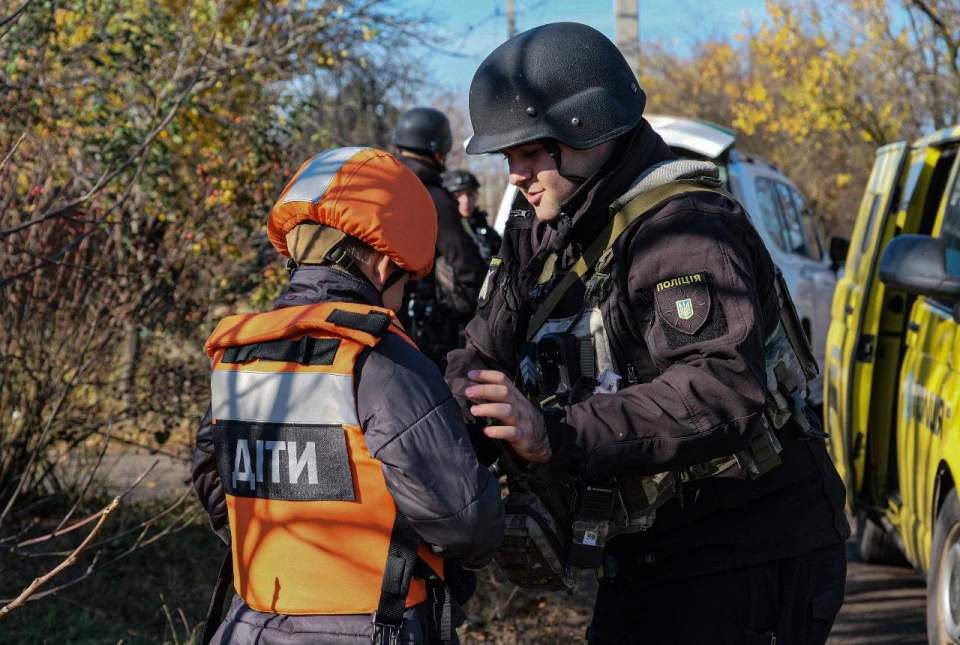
x: 315, y: 178
x: 283, y: 397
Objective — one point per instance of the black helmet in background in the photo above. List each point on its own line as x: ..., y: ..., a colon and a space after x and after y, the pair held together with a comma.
x: 563, y: 81
x: 424, y: 130
x: 457, y: 180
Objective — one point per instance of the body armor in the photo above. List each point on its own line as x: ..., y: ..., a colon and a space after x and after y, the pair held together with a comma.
x: 569, y: 360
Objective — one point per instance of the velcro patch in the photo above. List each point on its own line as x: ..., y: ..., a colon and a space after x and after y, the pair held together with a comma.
x: 283, y: 461
x: 684, y: 302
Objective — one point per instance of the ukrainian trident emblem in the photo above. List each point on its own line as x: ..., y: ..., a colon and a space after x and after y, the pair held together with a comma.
x: 685, y: 309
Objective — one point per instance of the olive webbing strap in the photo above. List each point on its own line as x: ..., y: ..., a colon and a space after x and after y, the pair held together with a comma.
x: 643, y: 203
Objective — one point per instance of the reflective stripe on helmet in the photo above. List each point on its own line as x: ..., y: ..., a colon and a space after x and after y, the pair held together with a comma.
x: 316, y: 177
x: 283, y: 397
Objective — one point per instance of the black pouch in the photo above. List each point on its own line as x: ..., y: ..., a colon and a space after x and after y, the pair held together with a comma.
x: 534, y: 550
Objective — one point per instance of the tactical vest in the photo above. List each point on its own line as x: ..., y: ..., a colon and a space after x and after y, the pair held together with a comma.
x: 591, y: 360
x: 314, y: 529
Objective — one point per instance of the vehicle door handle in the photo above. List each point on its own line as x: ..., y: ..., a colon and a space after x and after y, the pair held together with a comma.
x: 913, y: 326
x: 848, y: 309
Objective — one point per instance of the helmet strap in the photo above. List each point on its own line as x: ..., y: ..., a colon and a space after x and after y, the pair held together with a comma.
x: 554, y: 151
x: 338, y: 257
x: 393, y: 279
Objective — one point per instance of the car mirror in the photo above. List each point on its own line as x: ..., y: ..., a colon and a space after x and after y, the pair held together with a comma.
x: 839, y: 247
x: 919, y: 264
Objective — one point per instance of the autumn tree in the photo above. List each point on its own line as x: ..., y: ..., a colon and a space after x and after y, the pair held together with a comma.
x: 142, y: 143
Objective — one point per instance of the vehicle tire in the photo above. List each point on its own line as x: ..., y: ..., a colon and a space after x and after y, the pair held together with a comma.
x: 943, y: 581
x: 875, y: 545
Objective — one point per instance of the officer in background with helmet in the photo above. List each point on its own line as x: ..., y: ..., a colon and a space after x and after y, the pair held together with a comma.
x: 463, y: 185
x: 440, y: 307
x: 635, y: 334
x: 334, y: 461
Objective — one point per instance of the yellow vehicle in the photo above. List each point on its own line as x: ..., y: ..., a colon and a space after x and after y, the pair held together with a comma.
x: 892, y: 372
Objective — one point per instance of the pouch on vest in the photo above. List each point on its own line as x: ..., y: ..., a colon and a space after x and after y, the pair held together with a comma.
x: 534, y: 550
x: 790, y: 365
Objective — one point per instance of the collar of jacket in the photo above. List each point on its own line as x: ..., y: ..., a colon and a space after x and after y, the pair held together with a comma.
x: 313, y: 284
x: 427, y: 172
x: 589, y: 205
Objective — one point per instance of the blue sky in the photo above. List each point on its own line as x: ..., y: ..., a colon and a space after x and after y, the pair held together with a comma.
x: 474, y: 28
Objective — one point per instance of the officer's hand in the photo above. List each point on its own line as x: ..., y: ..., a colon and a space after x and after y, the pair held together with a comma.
x: 523, y: 428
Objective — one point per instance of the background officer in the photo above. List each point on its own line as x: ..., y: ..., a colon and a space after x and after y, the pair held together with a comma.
x: 441, y: 306
x: 464, y: 186
x: 684, y: 319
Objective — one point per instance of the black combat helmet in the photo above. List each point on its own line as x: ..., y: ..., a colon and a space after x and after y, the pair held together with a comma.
x: 423, y: 129
x: 456, y: 180
x: 563, y: 81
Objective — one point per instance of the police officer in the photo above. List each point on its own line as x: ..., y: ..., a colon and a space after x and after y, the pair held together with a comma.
x: 423, y: 140
x: 636, y: 304
x: 464, y: 186
x: 341, y: 503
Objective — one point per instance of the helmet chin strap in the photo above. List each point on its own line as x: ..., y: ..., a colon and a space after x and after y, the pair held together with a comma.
x: 553, y: 149
x: 345, y: 262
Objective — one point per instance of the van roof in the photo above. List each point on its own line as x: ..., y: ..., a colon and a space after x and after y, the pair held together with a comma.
x: 939, y: 137
x: 696, y: 135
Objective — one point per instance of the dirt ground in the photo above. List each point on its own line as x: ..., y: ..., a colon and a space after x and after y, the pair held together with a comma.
x: 131, y: 602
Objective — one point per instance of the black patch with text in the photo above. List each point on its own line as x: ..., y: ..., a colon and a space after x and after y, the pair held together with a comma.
x: 291, y: 462
x: 686, y: 310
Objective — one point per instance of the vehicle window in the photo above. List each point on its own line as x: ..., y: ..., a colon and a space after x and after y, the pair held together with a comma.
x: 770, y: 211
x: 809, y: 225
x: 793, y: 230
x: 950, y: 229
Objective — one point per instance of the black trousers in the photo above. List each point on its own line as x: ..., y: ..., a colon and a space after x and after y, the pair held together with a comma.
x: 790, y: 602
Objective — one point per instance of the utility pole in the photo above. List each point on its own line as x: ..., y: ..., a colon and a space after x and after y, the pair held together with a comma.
x: 626, y: 29
x: 511, y: 20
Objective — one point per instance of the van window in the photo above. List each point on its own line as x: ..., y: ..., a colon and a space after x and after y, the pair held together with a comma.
x: 809, y: 225
x: 793, y: 231
x: 770, y: 211
x: 950, y: 229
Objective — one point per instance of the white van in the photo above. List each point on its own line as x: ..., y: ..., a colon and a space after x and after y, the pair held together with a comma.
x: 778, y: 209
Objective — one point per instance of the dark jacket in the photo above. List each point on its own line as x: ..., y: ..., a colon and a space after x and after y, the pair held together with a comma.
x: 697, y: 395
x: 455, y: 246
x: 411, y: 423
x: 485, y: 236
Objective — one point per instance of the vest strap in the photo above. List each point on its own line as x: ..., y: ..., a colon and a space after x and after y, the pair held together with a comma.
x: 401, y: 560
x: 374, y: 323
x: 307, y: 351
x: 619, y: 222
x: 215, y: 611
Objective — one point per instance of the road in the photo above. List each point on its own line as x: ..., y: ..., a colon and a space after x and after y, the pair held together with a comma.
x: 883, y: 604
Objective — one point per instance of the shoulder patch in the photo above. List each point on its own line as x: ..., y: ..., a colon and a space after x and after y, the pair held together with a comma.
x: 684, y: 302
x: 489, y: 282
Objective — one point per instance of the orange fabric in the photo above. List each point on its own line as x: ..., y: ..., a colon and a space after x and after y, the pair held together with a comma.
x: 288, y: 322
x: 374, y: 198
x: 313, y: 557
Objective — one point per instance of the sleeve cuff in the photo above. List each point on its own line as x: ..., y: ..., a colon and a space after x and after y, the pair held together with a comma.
x: 562, y: 438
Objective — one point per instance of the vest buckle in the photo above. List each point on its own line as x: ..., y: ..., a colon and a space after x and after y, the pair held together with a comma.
x: 386, y: 630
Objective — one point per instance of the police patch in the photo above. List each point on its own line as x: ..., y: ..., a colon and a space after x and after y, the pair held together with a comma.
x: 684, y: 302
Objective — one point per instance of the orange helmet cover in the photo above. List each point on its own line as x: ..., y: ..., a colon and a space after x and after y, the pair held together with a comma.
x: 367, y: 194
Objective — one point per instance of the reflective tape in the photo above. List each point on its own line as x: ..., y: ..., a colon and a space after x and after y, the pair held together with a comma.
x: 283, y: 397
x: 316, y: 177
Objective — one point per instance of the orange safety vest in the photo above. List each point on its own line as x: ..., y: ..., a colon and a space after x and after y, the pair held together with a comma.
x: 310, y: 514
